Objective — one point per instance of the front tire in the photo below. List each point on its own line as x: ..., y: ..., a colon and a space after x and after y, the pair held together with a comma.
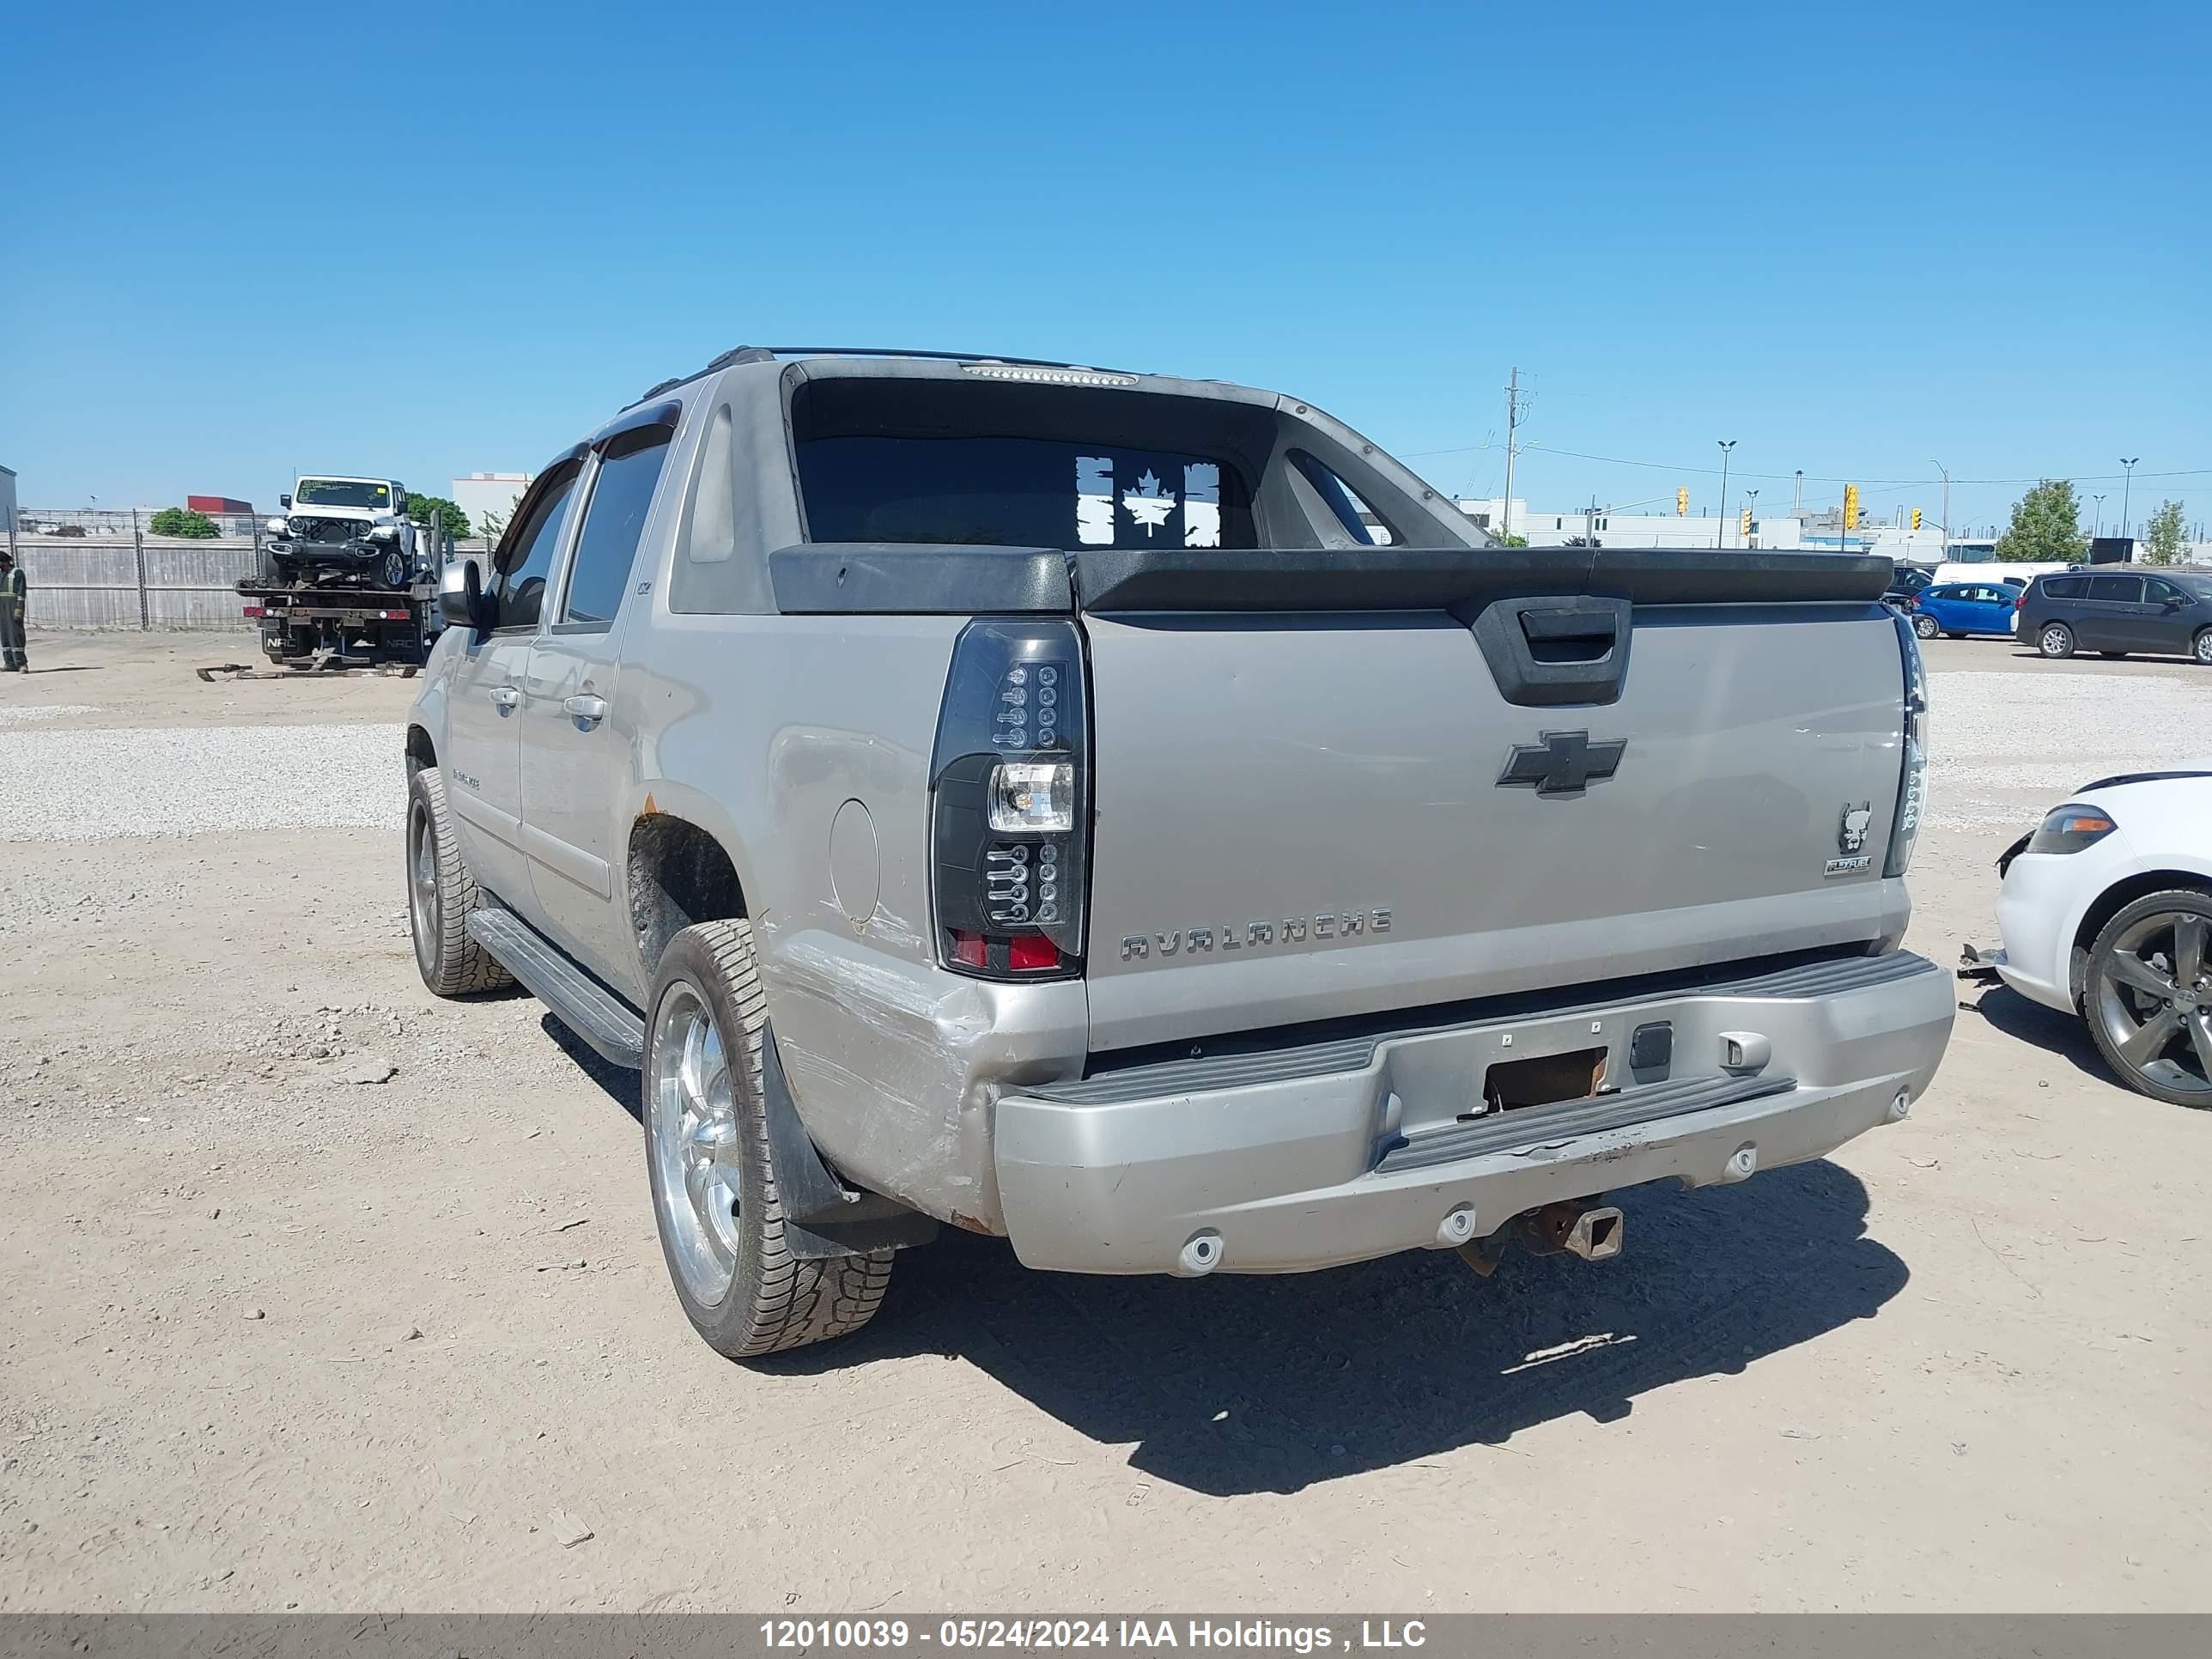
x: 392, y: 567
x: 715, y: 1196
x: 2201, y: 647
x: 1925, y: 626
x: 2056, y: 640
x: 441, y: 893
x: 2148, y: 999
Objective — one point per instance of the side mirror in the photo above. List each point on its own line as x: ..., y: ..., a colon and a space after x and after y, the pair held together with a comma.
x: 284, y: 501
x: 461, y: 598
x: 2173, y: 602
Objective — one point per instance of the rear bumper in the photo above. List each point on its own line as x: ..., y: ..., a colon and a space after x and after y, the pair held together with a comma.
x: 1310, y: 1157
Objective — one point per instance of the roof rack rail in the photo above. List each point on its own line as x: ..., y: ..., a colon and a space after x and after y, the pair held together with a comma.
x: 765, y: 353
x: 745, y: 354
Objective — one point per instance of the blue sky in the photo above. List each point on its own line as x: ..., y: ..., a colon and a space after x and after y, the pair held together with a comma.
x: 1856, y: 240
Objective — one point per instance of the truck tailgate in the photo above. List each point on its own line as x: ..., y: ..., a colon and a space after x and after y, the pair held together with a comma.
x: 1363, y: 804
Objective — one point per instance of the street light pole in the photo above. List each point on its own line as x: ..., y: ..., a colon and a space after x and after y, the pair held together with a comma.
x: 1946, y: 471
x: 1753, y: 496
x: 1726, y: 444
x: 1797, y: 495
x: 2097, y: 522
x: 2130, y: 464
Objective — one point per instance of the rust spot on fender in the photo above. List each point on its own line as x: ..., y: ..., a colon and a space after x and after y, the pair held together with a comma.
x: 650, y: 810
x: 971, y: 1224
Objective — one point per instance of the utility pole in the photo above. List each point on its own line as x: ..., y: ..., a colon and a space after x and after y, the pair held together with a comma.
x: 1946, y: 471
x: 2125, y: 489
x: 1512, y: 425
x: 1726, y: 444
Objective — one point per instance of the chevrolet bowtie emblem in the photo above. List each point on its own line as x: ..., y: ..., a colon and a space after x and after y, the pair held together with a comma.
x: 1562, y: 764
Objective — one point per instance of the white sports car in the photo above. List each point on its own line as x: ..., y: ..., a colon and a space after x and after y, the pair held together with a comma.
x: 2106, y: 912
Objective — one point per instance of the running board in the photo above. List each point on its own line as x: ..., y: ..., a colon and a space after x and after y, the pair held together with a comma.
x: 581, y: 1003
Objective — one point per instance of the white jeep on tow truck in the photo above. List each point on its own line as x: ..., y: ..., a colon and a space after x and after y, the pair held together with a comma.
x: 344, y: 531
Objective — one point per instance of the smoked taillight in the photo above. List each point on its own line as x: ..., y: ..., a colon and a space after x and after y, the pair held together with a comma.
x: 1010, y: 814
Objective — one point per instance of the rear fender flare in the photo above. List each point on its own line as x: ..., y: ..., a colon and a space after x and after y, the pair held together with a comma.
x: 663, y: 795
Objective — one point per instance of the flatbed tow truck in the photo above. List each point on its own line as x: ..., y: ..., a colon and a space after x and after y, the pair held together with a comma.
x: 307, y: 629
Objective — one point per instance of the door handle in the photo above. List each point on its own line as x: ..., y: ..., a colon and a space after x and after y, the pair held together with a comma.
x: 506, y: 697
x: 586, y: 709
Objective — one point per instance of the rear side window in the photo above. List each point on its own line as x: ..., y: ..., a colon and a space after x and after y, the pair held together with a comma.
x: 1020, y: 492
x: 2117, y: 590
x: 2064, y: 587
x: 525, y: 557
x: 1353, y: 513
x: 614, y: 519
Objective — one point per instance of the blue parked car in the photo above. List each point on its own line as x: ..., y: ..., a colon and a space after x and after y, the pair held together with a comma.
x: 1956, y: 608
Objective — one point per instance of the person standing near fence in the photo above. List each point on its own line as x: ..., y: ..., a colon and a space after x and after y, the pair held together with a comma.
x: 13, y: 603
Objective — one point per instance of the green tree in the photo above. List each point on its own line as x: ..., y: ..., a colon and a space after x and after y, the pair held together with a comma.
x: 436, y: 513
x: 1515, y: 539
x: 2162, y: 542
x: 182, y: 521
x: 2045, y: 527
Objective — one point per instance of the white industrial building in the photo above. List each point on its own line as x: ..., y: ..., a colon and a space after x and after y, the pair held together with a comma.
x: 490, y: 494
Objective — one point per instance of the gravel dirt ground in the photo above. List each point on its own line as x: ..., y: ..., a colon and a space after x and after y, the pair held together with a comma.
x: 322, y: 1294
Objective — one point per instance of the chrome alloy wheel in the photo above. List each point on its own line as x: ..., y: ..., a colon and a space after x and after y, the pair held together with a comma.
x: 2153, y: 1000
x: 2055, y: 640
x: 423, y: 908
x: 694, y: 1131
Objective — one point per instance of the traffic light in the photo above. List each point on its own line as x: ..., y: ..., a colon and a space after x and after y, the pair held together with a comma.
x: 1850, y: 507
x: 1682, y: 503
x: 1916, y: 518
x: 1743, y: 524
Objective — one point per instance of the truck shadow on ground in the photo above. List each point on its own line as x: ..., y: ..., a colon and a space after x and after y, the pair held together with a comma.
x: 1231, y: 1384
x: 2062, y: 1035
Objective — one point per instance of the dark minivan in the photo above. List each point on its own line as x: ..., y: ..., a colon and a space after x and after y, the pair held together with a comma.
x: 2167, y: 615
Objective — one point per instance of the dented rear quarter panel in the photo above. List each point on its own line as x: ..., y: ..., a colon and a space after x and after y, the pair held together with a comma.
x: 760, y: 729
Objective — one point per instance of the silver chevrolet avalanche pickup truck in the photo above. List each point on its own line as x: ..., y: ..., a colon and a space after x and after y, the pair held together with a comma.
x: 1036, y: 799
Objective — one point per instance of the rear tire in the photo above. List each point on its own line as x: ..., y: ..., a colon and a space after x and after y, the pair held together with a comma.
x: 2055, y: 639
x: 715, y: 1196
x: 1925, y: 626
x: 441, y: 893
x: 2201, y: 647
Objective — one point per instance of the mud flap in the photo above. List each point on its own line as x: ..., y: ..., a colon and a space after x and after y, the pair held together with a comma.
x: 823, y: 1217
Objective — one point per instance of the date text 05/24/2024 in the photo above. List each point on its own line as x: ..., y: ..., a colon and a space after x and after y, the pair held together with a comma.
x: 984, y: 1635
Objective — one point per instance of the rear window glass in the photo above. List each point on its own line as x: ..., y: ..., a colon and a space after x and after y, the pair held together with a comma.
x: 1020, y: 492
x: 2117, y: 590
x: 2064, y: 587
x: 986, y: 462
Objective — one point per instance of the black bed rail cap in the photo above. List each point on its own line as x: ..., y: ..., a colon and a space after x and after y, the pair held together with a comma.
x: 918, y: 579
x: 1455, y: 579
